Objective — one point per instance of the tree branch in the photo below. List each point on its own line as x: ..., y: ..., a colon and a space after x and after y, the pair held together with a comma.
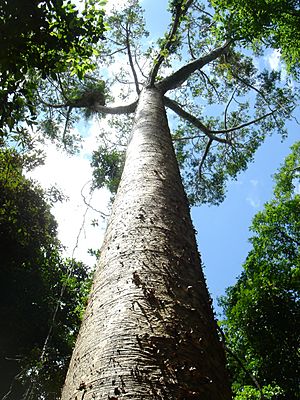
x: 173, y: 105
x: 227, y: 106
x: 181, y: 75
x: 66, y: 126
x: 136, y: 81
x: 139, y: 67
x: 126, y: 109
x: 234, y: 128
x: 87, y: 202
x: 204, y: 156
x: 204, y: 11
x: 211, y: 84
x: 190, y: 44
x: 256, y: 90
x: 171, y: 36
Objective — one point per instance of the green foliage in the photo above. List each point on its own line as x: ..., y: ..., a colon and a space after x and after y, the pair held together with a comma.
x: 41, y: 39
x: 250, y: 393
x: 273, y: 23
x: 235, y: 105
x: 205, y: 175
x: 107, y: 168
x: 238, y: 103
x: 229, y: 96
x: 32, y: 274
x: 77, y: 93
x: 261, y: 309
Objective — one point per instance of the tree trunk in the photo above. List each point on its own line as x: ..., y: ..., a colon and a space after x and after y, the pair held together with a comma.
x: 149, y: 331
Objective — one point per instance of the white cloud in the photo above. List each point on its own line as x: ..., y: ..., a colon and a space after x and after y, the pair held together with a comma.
x: 253, y: 197
x: 72, y: 174
x: 254, y: 202
x: 274, y: 60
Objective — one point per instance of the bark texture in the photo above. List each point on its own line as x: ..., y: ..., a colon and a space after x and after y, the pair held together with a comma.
x: 149, y: 331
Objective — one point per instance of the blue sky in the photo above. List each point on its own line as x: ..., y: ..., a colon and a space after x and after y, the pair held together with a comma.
x: 222, y: 231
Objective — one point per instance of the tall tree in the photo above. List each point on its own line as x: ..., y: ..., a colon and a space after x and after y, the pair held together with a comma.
x: 149, y: 330
x: 261, y: 308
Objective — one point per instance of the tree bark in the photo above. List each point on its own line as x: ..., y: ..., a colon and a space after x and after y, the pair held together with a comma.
x: 149, y: 330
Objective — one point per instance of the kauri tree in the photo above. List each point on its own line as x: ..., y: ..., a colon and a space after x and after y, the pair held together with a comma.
x: 149, y: 330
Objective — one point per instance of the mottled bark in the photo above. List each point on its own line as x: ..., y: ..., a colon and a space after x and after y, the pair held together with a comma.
x: 149, y: 331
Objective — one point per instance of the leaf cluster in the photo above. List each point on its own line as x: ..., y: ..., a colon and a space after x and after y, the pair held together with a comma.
x: 272, y: 23
x: 41, y: 39
x: 107, y: 168
x: 261, y: 309
x: 32, y: 275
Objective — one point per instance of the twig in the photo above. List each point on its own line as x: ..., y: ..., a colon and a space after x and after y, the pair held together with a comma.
x: 66, y: 126
x: 204, y: 157
x: 227, y: 106
x: 136, y: 81
x: 103, y: 215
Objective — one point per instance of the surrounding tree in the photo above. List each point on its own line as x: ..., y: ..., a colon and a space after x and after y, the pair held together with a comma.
x: 149, y: 330
x: 261, y: 309
x: 35, y: 347
x: 271, y: 23
x: 41, y: 39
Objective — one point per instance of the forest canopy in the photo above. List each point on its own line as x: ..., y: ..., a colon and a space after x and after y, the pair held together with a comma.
x: 42, y: 294
x: 41, y: 39
x: 261, y: 309
x: 224, y: 101
x: 264, y: 23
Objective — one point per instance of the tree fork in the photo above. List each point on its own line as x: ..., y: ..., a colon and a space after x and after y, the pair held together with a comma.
x: 149, y: 330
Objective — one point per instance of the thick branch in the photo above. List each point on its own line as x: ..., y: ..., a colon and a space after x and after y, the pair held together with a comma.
x: 171, y: 36
x: 181, y: 75
x: 126, y: 109
x: 173, y: 105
